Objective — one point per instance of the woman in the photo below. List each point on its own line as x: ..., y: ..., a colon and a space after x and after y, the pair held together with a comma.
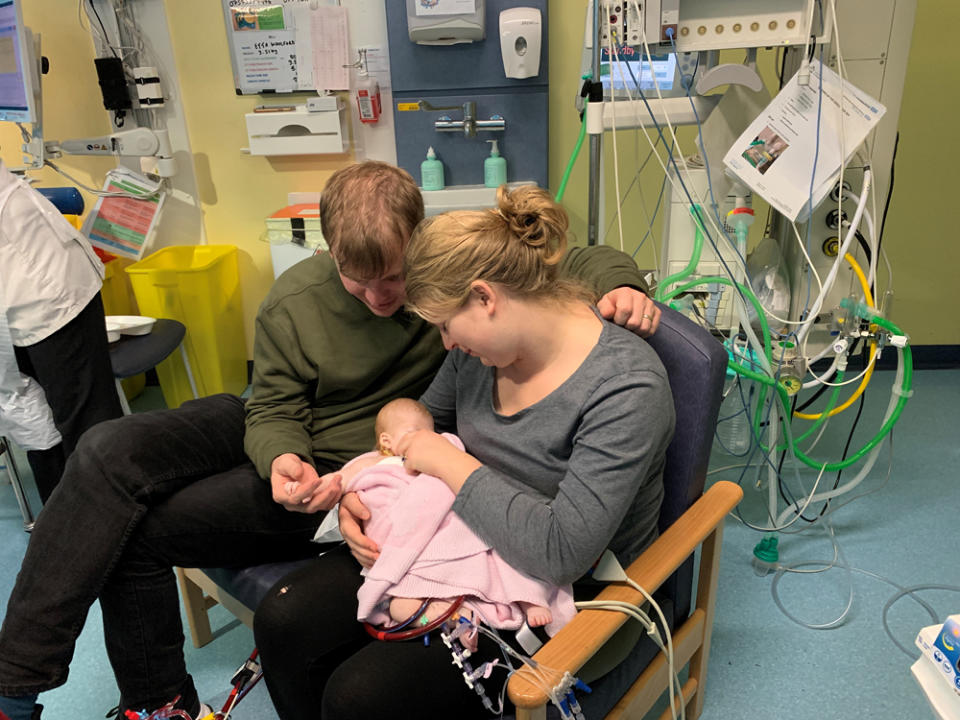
x: 566, y: 419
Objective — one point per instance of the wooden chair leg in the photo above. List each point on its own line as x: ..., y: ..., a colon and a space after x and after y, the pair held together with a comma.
x: 706, y: 600
x: 195, y: 604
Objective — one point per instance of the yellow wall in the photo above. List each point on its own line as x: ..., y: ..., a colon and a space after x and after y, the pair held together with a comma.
x: 237, y: 191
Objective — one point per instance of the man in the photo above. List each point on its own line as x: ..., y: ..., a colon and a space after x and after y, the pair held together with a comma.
x: 185, y: 487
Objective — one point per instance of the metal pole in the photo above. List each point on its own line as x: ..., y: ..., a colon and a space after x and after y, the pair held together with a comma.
x: 17, y: 485
x: 596, y: 142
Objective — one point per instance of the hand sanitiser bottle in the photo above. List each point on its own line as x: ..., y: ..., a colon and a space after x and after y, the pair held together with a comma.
x: 431, y: 172
x: 494, y: 167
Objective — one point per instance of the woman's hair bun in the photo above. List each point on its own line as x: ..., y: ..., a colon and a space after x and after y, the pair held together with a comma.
x: 533, y: 217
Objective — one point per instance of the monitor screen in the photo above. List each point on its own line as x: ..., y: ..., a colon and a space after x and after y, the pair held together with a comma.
x: 16, y: 74
x: 633, y: 69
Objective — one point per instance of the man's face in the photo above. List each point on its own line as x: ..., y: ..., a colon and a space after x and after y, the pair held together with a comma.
x: 383, y: 295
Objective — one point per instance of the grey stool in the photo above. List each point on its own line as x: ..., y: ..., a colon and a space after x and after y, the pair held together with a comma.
x: 6, y: 452
x: 134, y: 354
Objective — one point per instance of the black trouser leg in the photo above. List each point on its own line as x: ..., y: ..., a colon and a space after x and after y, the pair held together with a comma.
x: 73, y: 367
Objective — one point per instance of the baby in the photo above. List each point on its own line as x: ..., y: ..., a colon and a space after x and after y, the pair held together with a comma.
x: 470, y: 559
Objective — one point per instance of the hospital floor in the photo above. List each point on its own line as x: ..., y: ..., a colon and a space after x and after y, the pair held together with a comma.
x: 763, y: 664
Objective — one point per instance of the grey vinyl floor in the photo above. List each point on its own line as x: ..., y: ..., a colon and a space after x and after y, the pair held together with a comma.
x: 901, y: 533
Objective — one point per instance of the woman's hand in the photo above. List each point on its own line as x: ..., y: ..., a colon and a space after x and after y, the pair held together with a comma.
x: 352, y: 514
x: 631, y: 309
x: 296, y: 485
x: 427, y: 452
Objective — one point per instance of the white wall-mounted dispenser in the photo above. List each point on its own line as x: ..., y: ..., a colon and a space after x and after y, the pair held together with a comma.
x: 445, y: 22
x: 520, y: 39
x: 296, y: 131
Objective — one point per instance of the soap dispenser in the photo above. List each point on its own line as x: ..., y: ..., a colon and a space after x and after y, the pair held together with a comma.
x: 494, y: 167
x: 431, y: 172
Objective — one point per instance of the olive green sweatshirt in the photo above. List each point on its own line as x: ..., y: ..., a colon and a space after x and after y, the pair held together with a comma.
x: 324, y: 365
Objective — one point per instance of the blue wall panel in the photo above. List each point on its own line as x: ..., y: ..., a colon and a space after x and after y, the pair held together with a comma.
x: 462, y: 66
x: 455, y: 74
x: 523, y: 143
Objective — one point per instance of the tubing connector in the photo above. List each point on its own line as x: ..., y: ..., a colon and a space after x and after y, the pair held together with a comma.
x: 860, y: 310
x: 901, y: 392
x: 766, y: 555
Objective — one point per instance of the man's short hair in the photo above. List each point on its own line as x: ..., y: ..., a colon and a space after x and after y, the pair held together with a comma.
x: 368, y: 211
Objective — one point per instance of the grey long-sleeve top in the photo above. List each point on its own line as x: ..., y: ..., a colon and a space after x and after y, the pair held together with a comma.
x: 571, y: 475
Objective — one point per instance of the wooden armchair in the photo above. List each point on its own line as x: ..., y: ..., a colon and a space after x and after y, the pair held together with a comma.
x: 696, y: 365
x: 576, y: 643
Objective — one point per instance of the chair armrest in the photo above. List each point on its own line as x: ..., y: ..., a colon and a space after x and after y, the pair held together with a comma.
x: 583, y: 636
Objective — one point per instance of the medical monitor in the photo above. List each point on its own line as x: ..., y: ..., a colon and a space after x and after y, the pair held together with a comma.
x: 17, y: 66
x: 632, y: 70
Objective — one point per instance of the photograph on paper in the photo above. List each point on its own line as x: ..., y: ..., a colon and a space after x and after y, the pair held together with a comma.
x: 764, y: 149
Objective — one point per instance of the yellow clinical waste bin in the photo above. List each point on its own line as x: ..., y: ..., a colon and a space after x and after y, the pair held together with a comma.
x: 199, y: 285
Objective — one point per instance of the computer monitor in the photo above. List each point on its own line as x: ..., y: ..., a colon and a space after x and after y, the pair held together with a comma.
x: 18, y: 71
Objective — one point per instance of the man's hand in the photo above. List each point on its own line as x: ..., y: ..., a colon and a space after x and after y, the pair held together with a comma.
x: 352, y: 514
x: 296, y: 485
x: 631, y: 309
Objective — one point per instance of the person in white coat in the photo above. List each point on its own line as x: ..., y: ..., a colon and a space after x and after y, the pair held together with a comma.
x: 50, y: 280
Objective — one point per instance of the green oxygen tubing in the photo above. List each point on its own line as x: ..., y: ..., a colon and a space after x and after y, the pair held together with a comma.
x: 859, y: 309
x: 576, y: 148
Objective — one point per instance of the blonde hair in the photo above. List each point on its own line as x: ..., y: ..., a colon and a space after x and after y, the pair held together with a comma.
x: 367, y: 212
x: 517, y: 245
x: 389, y: 412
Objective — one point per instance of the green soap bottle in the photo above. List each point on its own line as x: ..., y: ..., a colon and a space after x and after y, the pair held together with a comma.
x: 431, y: 172
x: 494, y: 167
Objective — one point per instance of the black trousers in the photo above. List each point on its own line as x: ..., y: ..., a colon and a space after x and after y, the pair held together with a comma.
x: 319, y: 662
x: 73, y: 367
x: 140, y: 495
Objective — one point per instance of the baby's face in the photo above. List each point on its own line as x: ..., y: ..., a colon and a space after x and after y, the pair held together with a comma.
x: 404, y: 423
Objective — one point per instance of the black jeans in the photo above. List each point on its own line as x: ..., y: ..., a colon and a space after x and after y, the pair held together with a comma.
x: 318, y: 661
x: 140, y: 495
x: 72, y: 365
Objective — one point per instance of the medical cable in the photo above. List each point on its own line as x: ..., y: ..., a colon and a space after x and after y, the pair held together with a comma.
x: 911, y: 591
x: 396, y: 634
x: 894, y: 403
x: 844, y: 249
x: 841, y: 563
x: 651, y: 629
x: 641, y: 168
x: 867, y: 373
x: 613, y: 117
x: 160, y: 189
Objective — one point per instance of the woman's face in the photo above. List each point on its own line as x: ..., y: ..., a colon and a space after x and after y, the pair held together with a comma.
x: 473, y: 330
x: 383, y: 295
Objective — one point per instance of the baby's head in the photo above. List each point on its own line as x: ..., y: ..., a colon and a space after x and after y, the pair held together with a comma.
x: 396, y: 419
